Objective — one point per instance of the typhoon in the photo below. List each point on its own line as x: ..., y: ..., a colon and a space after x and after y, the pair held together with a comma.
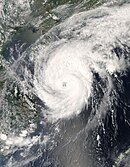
x: 67, y: 58
x: 79, y: 73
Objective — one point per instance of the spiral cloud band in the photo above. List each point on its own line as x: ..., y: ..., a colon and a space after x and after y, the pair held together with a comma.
x: 66, y: 57
x: 65, y: 83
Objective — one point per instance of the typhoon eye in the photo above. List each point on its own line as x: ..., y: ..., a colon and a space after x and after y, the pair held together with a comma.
x: 64, y: 84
